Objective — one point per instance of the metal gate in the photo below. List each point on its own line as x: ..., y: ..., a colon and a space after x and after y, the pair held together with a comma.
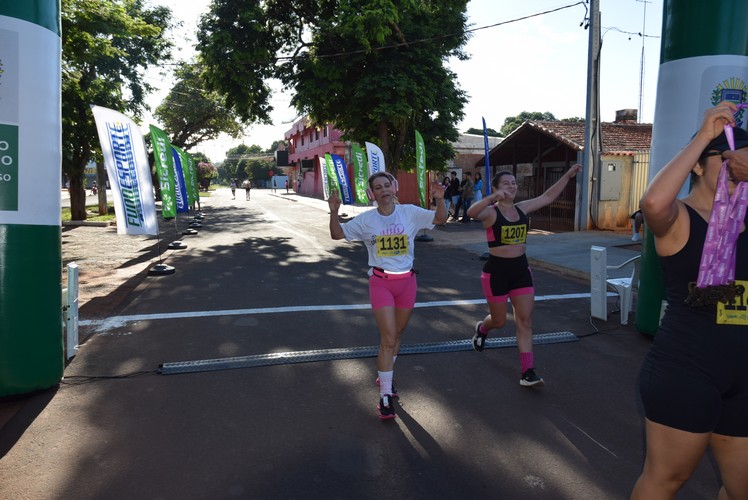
x: 559, y: 215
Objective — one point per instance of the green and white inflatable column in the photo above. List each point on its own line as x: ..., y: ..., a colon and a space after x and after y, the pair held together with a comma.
x: 31, y: 344
x: 703, y: 60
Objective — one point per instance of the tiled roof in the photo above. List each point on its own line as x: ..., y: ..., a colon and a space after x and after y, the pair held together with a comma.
x: 617, y: 137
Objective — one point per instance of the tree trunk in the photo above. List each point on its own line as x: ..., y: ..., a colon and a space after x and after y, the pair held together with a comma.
x: 384, y: 139
x: 77, y: 196
x: 101, y: 184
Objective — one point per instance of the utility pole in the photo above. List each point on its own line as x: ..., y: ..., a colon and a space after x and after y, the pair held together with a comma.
x: 641, y: 65
x: 592, y: 138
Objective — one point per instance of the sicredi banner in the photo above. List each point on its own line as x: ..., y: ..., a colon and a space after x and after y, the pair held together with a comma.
x: 129, y: 173
x: 30, y: 177
x: 421, y: 169
x: 360, y: 173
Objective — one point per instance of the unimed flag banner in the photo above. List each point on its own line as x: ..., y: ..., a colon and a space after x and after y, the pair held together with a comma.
x: 164, y: 171
x: 360, y: 173
x: 421, y: 170
x: 376, y: 158
x: 129, y: 173
x: 344, y: 181
x: 180, y: 186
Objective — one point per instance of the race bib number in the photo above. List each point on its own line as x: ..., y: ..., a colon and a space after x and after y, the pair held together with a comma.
x: 514, y: 235
x: 737, y: 312
x: 392, y: 245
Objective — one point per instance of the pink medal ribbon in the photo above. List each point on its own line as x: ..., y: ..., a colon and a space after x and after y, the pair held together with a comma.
x: 718, y: 258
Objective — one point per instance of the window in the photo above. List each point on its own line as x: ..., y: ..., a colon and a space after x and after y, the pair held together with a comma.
x: 324, y: 131
x: 316, y: 134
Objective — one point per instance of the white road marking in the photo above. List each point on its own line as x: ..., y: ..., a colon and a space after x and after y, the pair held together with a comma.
x: 119, y: 321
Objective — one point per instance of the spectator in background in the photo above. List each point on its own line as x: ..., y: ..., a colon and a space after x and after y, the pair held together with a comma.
x: 466, y: 195
x: 454, y: 193
x: 478, y: 188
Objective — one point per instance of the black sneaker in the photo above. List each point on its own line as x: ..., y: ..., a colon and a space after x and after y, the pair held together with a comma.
x: 479, y: 339
x: 385, y: 407
x: 394, y: 388
x: 530, y: 378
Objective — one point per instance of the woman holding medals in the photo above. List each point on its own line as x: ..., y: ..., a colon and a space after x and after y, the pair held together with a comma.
x: 694, y: 380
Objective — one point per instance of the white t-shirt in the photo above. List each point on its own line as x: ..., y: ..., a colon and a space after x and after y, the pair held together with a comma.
x: 389, y: 240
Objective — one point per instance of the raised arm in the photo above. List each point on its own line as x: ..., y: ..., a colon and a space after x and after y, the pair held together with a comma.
x: 336, y: 230
x: 659, y: 204
x: 437, y: 193
x: 551, y: 193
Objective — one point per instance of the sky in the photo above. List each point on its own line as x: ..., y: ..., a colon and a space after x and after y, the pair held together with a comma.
x: 534, y: 64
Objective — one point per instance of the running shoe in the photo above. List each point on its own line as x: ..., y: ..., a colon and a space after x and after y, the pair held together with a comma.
x: 394, y: 388
x: 479, y: 339
x: 385, y: 407
x: 530, y: 378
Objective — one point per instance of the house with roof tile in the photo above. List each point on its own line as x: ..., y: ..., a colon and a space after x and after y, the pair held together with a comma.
x: 539, y: 152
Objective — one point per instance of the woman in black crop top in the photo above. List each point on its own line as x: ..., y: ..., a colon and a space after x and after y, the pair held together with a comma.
x: 694, y: 380
x: 507, y: 273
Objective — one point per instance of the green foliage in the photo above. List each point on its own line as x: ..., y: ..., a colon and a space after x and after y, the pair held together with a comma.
x: 106, y: 47
x: 200, y: 157
x: 375, y: 68
x: 479, y: 131
x: 244, y: 161
x: 191, y: 115
x: 511, y: 123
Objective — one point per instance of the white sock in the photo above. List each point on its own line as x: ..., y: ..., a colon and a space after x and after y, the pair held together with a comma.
x: 394, y: 358
x: 385, y: 383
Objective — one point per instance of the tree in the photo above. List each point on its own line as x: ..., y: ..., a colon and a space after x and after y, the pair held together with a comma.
x: 479, y: 131
x: 237, y: 160
x: 191, y: 115
x: 106, y: 47
x: 276, y: 145
x: 259, y: 169
x: 375, y: 68
x: 200, y: 157
x: 513, y: 122
x: 206, y: 171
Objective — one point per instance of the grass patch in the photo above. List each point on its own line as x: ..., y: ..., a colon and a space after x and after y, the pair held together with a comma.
x: 93, y: 213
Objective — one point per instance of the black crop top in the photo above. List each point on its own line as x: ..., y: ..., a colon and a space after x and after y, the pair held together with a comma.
x: 504, y: 232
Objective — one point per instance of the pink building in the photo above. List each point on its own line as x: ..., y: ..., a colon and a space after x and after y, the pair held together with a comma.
x: 306, y: 145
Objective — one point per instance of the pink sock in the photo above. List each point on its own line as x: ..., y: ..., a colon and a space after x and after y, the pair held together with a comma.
x: 526, y: 361
x: 385, y: 383
x: 482, y: 328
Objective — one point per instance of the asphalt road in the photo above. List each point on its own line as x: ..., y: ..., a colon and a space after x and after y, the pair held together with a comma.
x: 264, y: 277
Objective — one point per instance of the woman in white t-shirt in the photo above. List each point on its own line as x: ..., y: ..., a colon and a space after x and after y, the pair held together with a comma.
x: 388, y: 232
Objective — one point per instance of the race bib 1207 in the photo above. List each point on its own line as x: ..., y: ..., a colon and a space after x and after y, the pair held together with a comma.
x: 514, y: 235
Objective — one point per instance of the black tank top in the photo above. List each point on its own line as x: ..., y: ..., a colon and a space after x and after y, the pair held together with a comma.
x: 682, y: 268
x: 504, y: 232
